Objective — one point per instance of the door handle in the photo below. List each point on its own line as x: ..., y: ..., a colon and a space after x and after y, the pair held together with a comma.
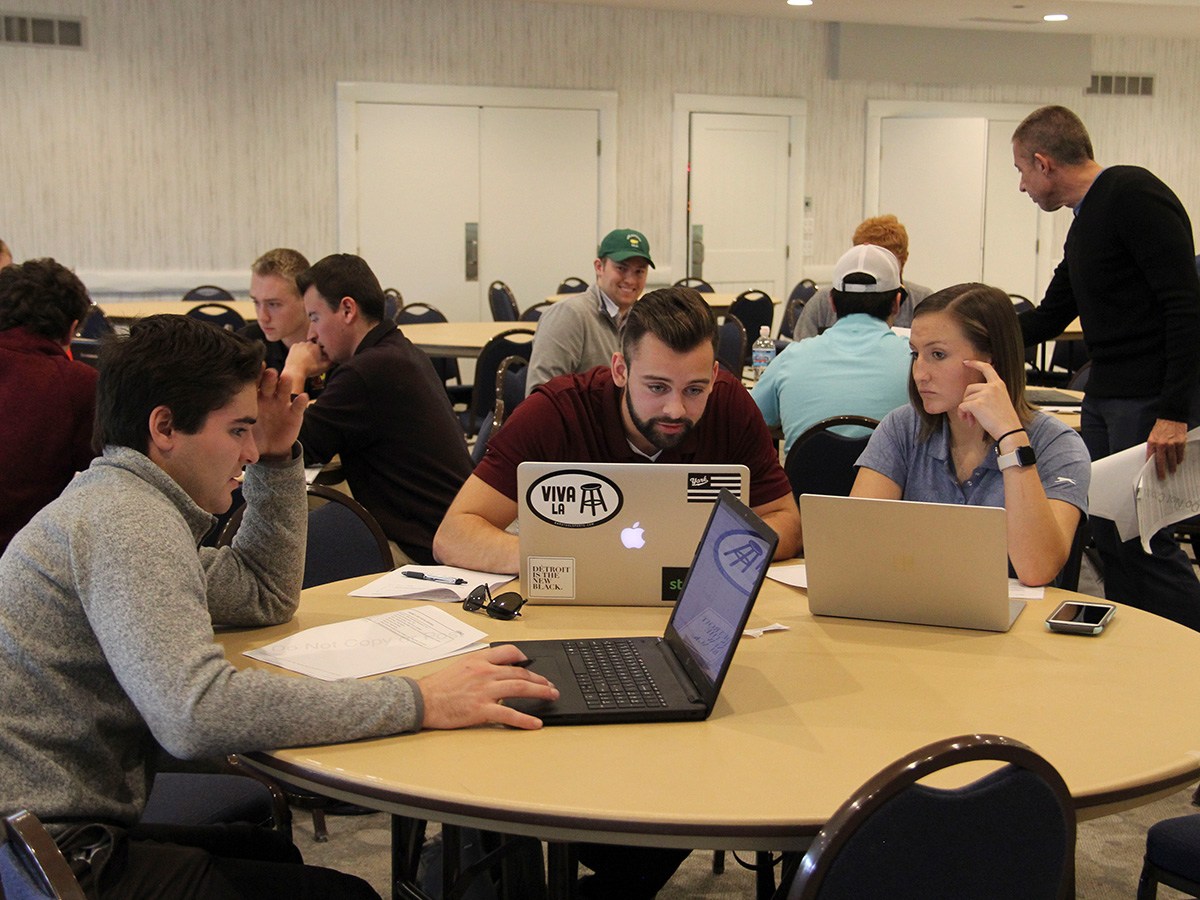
x: 471, y: 251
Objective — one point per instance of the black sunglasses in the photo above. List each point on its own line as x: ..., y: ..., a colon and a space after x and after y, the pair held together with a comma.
x: 504, y: 606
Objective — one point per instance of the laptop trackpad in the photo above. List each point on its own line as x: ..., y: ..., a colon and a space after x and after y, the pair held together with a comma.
x: 561, y: 677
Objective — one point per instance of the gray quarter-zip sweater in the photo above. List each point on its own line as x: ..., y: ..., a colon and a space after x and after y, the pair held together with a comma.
x: 107, y: 610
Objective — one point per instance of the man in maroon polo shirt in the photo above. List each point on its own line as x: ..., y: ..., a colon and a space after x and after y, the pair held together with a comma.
x: 663, y: 399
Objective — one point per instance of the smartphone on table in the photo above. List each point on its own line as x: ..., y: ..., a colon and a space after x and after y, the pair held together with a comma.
x: 1080, y: 617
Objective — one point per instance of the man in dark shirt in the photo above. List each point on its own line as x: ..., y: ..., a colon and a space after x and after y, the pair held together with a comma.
x: 384, y: 410
x: 47, y: 400
x: 1128, y: 274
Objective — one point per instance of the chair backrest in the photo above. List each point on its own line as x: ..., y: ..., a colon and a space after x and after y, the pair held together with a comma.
x: 1079, y: 381
x: 535, y: 312
x: 344, y: 540
x: 510, y: 387
x: 31, y: 865
x: 755, y: 309
x: 698, y: 284
x: 1021, y: 304
x: 1010, y: 834
x: 95, y: 324
x: 392, y: 303
x: 86, y: 350
x: 503, y: 303
x: 208, y: 293
x: 803, y: 290
x: 415, y: 313
x: 822, y: 461
x: 1068, y: 578
x: 218, y: 314
x: 731, y: 346
x: 791, y: 312
x: 572, y: 285
x: 513, y: 342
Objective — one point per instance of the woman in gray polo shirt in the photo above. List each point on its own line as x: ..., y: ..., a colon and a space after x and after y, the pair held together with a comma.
x: 969, y: 436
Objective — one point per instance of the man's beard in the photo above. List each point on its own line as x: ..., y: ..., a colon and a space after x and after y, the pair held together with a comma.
x: 646, y: 427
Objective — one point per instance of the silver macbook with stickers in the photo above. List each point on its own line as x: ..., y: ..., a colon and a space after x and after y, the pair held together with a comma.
x: 617, y: 534
x: 678, y: 676
x: 904, y: 561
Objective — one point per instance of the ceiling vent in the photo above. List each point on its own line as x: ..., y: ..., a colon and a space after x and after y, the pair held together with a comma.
x: 34, y: 30
x: 1122, y: 85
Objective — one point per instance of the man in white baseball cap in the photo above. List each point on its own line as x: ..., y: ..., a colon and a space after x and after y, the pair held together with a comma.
x: 859, y: 366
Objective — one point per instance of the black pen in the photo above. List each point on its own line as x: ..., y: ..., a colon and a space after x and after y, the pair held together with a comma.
x: 440, y: 579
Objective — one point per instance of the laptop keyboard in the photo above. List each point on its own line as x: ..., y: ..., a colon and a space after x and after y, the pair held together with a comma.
x: 611, y: 675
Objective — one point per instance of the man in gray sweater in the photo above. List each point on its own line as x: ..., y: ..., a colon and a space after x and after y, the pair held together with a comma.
x: 107, y: 610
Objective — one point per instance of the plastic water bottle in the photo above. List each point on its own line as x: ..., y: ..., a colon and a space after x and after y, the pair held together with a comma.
x: 762, y: 351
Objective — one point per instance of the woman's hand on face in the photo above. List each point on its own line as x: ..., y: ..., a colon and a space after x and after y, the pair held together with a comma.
x: 987, y: 402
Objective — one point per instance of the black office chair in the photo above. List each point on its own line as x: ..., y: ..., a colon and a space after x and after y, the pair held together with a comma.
x: 1010, y: 834
x: 791, y: 312
x: 510, y: 391
x: 803, y: 291
x: 86, y: 350
x: 572, y: 285
x: 344, y: 540
x: 217, y: 798
x: 513, y: 342
x: 502, y: 302
x: 535, y: 312
x: 1079, y: 381
x: 94, y: 325
x: 510, y: 387
x: 1172, y: 857
x: 1033, y: 368
x: 731, y: 346
x: 219, y: 315
x: 393, y: 302
x: 208, y: 293
x: 754, y: 309
x: 445, y: 366
x: 31, y: 865
x: 697, y: 284
x: 822, y: 461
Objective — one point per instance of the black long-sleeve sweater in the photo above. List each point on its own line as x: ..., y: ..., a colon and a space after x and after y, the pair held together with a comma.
x: 1128, y: 272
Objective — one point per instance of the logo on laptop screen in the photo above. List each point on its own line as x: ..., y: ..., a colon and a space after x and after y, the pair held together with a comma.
x: 574, y: 498
x: 739, y: 556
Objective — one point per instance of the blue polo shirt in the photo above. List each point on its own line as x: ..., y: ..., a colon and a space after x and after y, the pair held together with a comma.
x: 858, y: 367
x: 925, y: 470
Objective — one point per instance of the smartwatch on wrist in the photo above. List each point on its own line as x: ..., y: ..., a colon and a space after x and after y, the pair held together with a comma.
x: 1022, y: 456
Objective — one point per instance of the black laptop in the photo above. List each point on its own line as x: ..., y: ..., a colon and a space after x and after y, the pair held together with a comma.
x: 678, y: 676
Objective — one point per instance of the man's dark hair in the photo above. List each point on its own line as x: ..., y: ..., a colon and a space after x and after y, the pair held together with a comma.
x: 1056, y: 132
x: 345, y: 275
x: 875, y: 303
x: 186, y: 365
x: 677, y: 316
x: 43, y: 297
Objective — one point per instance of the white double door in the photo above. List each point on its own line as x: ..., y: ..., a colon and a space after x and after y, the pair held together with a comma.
x: 452, y: 197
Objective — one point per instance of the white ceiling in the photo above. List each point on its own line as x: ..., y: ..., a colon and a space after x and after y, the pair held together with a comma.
x: 1180, y: 18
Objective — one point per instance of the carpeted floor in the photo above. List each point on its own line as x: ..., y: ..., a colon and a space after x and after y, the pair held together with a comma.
x: 1108, y: 855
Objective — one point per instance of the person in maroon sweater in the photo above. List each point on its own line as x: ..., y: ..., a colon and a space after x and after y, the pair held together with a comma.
x: 47, y: 400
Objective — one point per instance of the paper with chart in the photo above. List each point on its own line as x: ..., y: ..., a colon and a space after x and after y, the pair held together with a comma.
x: 361, y: 647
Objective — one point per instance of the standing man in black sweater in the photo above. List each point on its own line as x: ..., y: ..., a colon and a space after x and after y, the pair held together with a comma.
x: 1128, y: 274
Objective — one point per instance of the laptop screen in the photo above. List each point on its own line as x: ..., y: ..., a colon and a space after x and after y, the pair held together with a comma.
x: 719, y: 593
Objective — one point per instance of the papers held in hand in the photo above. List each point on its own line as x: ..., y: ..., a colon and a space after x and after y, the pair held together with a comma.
x: 445, y: 584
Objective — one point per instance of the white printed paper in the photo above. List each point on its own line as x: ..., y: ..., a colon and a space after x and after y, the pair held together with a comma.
x: 361, y: 647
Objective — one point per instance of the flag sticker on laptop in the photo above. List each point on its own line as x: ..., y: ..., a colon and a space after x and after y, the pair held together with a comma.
x: 703, y: 487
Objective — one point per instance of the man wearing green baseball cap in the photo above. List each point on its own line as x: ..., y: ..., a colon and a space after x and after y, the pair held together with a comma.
x: 580, y: 333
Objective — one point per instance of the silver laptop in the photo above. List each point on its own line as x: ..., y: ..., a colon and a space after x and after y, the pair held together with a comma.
x: 675, y: 677
x: 902, y: 561
x: 617, y: 534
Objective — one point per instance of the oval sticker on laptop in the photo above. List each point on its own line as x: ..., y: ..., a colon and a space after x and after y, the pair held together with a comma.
x: 574, y: 498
